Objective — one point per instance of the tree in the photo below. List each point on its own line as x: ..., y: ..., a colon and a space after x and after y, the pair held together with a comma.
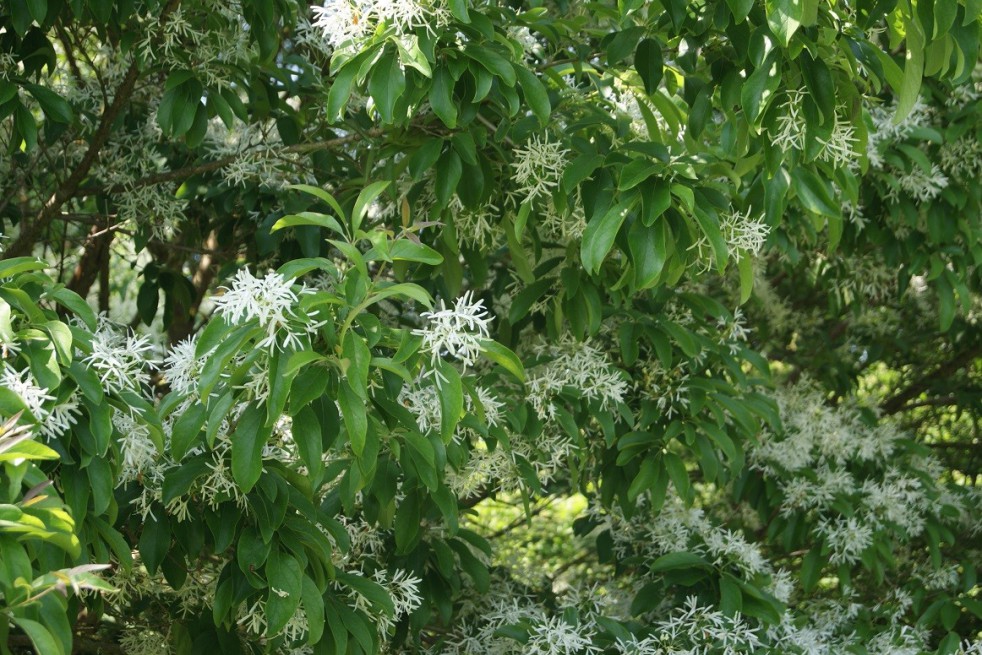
x: 475, y: 327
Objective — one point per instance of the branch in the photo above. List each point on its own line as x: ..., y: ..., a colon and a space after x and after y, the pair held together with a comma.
x: 207, y: 167
x: 30, y: 230
x: 80, y: 645
x: 898, y: 402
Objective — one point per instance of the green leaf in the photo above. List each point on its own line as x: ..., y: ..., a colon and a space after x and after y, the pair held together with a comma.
x: 731, y: 598
x: 43, y: 641
x: 448, y: 172
x: 364, y: 201
x: 340, y: 91
x: 308, y: 218
x: 17, y: 265
x: 357, y: 356
x: 813, y: 192
x: 759, y: 89
x: 320, y: 193
x: 644, y: 479
x: 494, y: 63
x: 745, y: 266
x: 353, y: 412
x: 187, y: 429
x: 154, y: 541
x: 635, y: 172
x: 458, y: 8
x: 580, y: 169
x: 649, y: 63
x: 178, y: 481
x: 386, y: 85
x: 709, y: 224
x: 410, y: 251
x: 678, y: 560
x: 535, y: 94
x: 601, y: 232
x: 649, y: 250
x: 913, y: 68
x: 285, y: 585
x: 451, y: 394
x: 248, y: 439
x: 784, y: 18
x: 740, y: 9
x: 55, y: 107
x: 678, y: 475
x: 370, y: 590
x: 73, y: 302
x: 503, y: 356
x: 441, y: 97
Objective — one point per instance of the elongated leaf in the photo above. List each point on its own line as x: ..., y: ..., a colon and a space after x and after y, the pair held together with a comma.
x: 365, y: 199
x: 535, y: 94
x: 308, y: 218
x: 386, y: 85
x: 248, y: 439
x: 600, y: 233
x: 649, y: 63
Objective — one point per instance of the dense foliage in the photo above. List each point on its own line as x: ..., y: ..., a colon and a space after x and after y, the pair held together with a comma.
x: 461, y: 327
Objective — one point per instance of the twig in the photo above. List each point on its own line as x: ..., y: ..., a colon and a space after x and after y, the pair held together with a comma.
x: 30, y: 230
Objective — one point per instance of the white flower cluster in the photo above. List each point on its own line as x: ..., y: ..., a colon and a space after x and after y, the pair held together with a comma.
x: 456, y: 332
x: 121, y: 360
x: 680, y: 529
x: 579, y: 366
x: 348, y: 23
x: 667, y: 387
x: 24, y: 385
x: 813, y: 464
x: 790, y: 129
x: 403, y: 589
x: 743, y: 232
x: 563, y: 227
x: 696, y: 628
x: 884, y: 131
x: 269, y: 300
x: 537, y: 168
x: 921, y: 184
x: 182, y: 367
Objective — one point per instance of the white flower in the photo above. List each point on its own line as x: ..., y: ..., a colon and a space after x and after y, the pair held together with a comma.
x: 270, y: 301
x: 139, y: 452
x: 923, y: 185
x: 789, y: 128
x: 139, y: 640
x: 456, y: 332
x: 181, y: 367
x: 741, y: 232
x: 538, y: 168
x: 349, y: 22
x: 62, y: 417
x: 554, y: 636
x: 525, y: 38
x: 120, y: 361
x: 727, y: 545
x: 847, y: 538
x: 24, y: 385
x: 403, y: 587
x: 342, y: 21
x: 581, y: 366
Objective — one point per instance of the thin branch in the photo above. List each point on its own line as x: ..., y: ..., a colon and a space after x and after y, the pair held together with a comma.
x: 207, y: 167
x: 31, y: 230
x: 899, y: 401
x: 941, y: 401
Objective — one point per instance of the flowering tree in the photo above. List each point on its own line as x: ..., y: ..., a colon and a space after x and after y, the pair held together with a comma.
x: 462, y: 327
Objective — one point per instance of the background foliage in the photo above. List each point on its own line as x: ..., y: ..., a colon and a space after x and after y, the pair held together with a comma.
x: 475, y: 327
